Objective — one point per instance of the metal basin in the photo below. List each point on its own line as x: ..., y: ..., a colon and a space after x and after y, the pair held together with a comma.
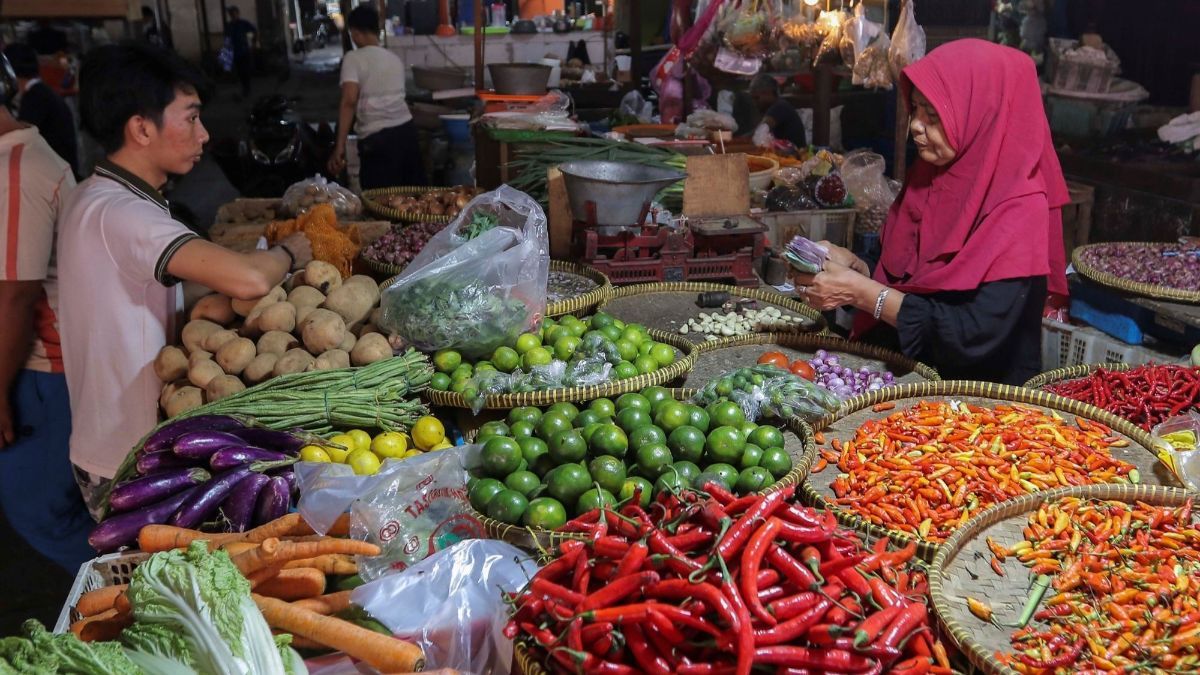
x: 617, y: 192
x: 519, y: 78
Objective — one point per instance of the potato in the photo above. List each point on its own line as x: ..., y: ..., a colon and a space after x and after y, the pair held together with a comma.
x: 214, y: 342
x: 302, y: 312
x: 367, y: 329
x: 183, y: 400
x: 352, y: 301
x: 375, y: 316
x: 334, y: 358
x: 323, y: 330
x: 235, y: 355
x: 370, y: 348
x: 169, y: 390
x: 276, y: 342
x: 170, y: 364
x: 348, y: 342
x: 261, y: 368
x: 203, y: 371
x: 302, y: 296
x: 195, y: 332
x: 296, y: 280
x: 244, y: 307
x: 294, y: 361
x: 214, y: 307
x: 221, y: 386
x: 280, y: 316
x: 322, y: 276
x: 198, y: 356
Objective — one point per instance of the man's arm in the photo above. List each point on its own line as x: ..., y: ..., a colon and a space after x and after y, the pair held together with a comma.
x: 350, y: 91
x: 242, y: 276
x: 17, y: 300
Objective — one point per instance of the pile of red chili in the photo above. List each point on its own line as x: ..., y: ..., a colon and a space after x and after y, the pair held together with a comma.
x: 697, y: 585
x: 1126, y: 589
x: 1145, y: 395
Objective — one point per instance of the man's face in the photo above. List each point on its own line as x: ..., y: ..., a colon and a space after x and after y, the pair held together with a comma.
x: 178, y: 143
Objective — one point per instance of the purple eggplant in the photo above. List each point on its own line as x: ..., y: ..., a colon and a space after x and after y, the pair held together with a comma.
x: 228, y: 458
x: 165, y: 436
x: 290, y: 476
x: 207, y: 498
x: 281, y: 441
x: 239, y: 505
x: 123, y: 529
x: 273, y: 501
x: 163, y: 460
x: 140, y: 492
x: 202, y: 444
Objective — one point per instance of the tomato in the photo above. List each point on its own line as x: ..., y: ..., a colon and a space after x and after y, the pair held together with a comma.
x: 777, y: 359
x: 801, y: 368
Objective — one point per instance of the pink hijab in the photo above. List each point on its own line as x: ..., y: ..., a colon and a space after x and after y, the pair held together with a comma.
x: 994, y: 213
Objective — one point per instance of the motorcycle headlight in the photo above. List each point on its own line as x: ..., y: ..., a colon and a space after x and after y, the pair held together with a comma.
x: 260, y: 156
x: 285, y: 154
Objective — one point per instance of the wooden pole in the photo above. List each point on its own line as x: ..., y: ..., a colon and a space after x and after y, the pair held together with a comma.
x: 822, y: 102
x: 900, y: 155
x: 479, y: 45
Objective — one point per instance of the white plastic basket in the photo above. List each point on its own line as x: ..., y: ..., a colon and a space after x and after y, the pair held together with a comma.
x: 107, y: 570
x: 1064, y: 345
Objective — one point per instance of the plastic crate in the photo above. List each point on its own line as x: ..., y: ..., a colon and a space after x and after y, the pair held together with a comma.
x: 1064, y: 345
x: 1112, y: 313
x: 107, y: 570
x: 834, y: 225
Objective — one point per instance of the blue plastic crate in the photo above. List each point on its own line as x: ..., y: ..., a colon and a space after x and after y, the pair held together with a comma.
x: 1112, y: 313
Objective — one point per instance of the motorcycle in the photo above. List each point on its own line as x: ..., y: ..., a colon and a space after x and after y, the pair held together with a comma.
x: 319, y: 32
x: 278, y: 149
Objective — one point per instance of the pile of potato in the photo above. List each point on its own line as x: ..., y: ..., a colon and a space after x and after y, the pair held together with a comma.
x: 317, y: 322
x: 436, y: 203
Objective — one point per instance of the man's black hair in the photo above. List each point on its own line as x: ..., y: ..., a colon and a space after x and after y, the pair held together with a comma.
x: 233, y: 10
x: 364, y: 18
x: 118, y: 82
x: 23, y: 58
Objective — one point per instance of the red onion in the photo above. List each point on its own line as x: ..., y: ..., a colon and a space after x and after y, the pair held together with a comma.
x: 1171, y: 265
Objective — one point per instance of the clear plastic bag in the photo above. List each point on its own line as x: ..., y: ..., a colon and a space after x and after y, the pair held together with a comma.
x: 712, y: 120
x: 327, y: 490
x: 589, y: 371
x: 766, y: 391
x: 474, y: 294
x: 745, y: 28
x: 872, y: 69
x: 908, y: 40
x: 862, y: 172
x: 450, y: 604
x: 832, y: 22
x: 634, y: 105
x: 1179, y: 440
x: 304, y: 195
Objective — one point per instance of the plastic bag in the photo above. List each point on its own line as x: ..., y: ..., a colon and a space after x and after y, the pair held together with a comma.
x: 589, y: 371
x: 908, y: 40
x: 766, y: 391
x: 763, y: 138
x: 1179, y: 440
x: 302, y: 196
x: 871, y: 67
x: 832, y: 22
x: 327, y: 490
x: 745, y: 29
x: 634, y: 105
x: 474, y: 294
x: 712, y: 120
x: 862, y: 172
x: 450, y: 604
x: 417, y: 510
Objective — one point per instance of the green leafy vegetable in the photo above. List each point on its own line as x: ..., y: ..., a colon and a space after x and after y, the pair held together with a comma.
x: 41, y: 652
x: 481, y: 221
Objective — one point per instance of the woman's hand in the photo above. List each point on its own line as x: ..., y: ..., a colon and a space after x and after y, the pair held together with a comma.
x: 844, y: 257
x: 836, y: 286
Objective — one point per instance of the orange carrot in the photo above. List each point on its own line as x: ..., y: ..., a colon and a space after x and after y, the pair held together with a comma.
x: 99, y: 600
x: 122, y: 604
x: 340, y: 528
x: 273, y: 552
x: 293, y: 584
x: 235, y: 547
x: 330, y: 563
x: 385, y: 653
x: 106, y: 625
x: 155, y: 538
x: 280, y: 527
x: 331, y: 603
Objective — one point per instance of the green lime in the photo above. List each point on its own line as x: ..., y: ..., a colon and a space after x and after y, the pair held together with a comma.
x: 687, y: 443
x: 481, y: 490
x: 653, y: 460
x: 698, y: 418
x: 632, y: 400
x: 551, y: 424
x: 625, y: 370
x: 687, y: 470
x: 777, y: 461
x: 463, y: 370
x: 619, y: 323
x: 538, y: 356
x: 612, y: 333
x: 484, y: 365
x: 601, y: 319
x: 724, y: 386
x: 725, y: 444
x: 650, y: 435
x: 633, y: 335
x: 506, y: 359
x: 586, y: 418
x: 645, y: 347
x: 727, y: 472
x: 608, y: 472
x: 568, y: 446
x: 664, y: 354
x: 639, y: 486
x: 566, y: 408
x: 754, y: 479
x: 626, y: 349
x: 459, y: 385
x: 567, y: 482
x: 524, y: 482
x: 439, y: 382
x: 766, y: 436
x: 657, y: 397
x: 670, y: 481
x: 501, y: 456
x: 751, y: 456
x: 595, y: 499
x: 576, y: 327
x: 446, y: 360
x: 707, y: 477
x: 671, y: 415
x: 551, y: 334
x: 508, y: 507
x: 588, y: 431
x: 609, y: 439
x: 566, y: 346
x: 532, y: 449
x: 491, y: 430
x: 747, y: 428
x: 645, y: 365
x: 604, y: 406
x: 726, y: 414
x: 527, y: 342
x: 633, y: 418
x: 521, y: 429
x: 545, y: 512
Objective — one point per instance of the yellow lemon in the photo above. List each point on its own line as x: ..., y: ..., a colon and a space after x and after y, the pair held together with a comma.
x: 362, y: 440
x: 412, y: 452
x: 442, y: 446
x: 313, y: 453
x: 428, y: 432
x: 390, y: 444
x: 348, y: 444
x: 364, y: 462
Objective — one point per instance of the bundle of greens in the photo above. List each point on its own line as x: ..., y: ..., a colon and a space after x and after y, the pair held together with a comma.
x: 481, y: 221
x: 43, y: 653
x: 446, y: 311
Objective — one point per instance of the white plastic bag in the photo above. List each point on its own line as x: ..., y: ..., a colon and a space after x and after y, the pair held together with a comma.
x: 908, y: 40
x: 634, y: 105
x: 303, y: 195
x: 450, y: 604
x: 328, y: 489
x: 862, y: 172
x: 475, y: 294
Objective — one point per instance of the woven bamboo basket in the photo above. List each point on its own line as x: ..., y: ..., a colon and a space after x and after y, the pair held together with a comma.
x: 844, y: 423
x: 370, y: 199
x: 1155, y: 291
x: 961, y: 567
x: 580, y: 304
x: 612, y: 388
x: 667, y: 306
x: 1074, y: 372
x: 799, y: 445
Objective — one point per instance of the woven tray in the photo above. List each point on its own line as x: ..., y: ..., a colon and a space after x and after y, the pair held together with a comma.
x: 961, y: 568
x: 1074, y: 372
x: 667, y: 306
x: 580, y: 304
x: 370, y: 201
x: 716, y: 358
x: 798, y: 442
x: 108, y: 570
x: 843, y: 424
x: 611, y: 389
x: 1137, y: 288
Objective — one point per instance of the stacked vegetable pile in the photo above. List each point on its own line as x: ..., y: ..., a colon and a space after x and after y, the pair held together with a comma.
x: 767, y: 390
x: 1145, y: 395
x: 539, y: 468
x: 724, y: 585
x: 716, y: 325
x: 433, y: 203
x: 926, y: 470
x: 321, y: 323
x: 827, y: 371
x: 1172, y: 265
x: 1124, y: 579
x: 399, y: 245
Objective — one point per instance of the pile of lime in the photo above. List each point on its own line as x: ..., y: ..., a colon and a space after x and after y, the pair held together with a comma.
x: 540, y: 468
x: 628, y: 347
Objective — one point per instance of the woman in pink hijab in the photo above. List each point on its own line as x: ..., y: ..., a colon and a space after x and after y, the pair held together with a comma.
x: 974, y: 242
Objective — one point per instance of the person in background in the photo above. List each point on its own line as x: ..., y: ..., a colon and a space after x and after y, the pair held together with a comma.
x: 37, y: 494
x: 239, y: 31
x: 42, y: 107
x: 155, y: 32
x: 47, y: 39
x: 122, y: 255
x: 777, y: 114
x: 373, y: 103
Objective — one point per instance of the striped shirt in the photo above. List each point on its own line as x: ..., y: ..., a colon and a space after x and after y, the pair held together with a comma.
x: 36, y: 181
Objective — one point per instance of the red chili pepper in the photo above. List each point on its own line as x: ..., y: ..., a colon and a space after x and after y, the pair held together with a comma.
x: 646, y: 657
x: 1059, y: 660
x: 884, y: 595
x: 633, y: 560
x: 772, y: 593
x: 569, y: 553
x: 917, y: 665
x: 906, y: 622
x: 718, y: 492
x: 676, y: 560
x: 680, y: 589
x: 885, y: 654
x: 795, y: 605
x: 618, y: 590
x: 550, y: 589
x: 690, y: 541
x: 810, y: 556
x: 793, y: 533
x: 793, y: 628
x: 664, y: 627
x: 823, y: 634
x: 756, y: 548
x: 869, y: 628
x: 735, y: 538
x: 744, y: 632
x: 833, y: 567
x: 855, y: 581
x: 791, y: 569
x: 838, y: 660
x: 610, y: 547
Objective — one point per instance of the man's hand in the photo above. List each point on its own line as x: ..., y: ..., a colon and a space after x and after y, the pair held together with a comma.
x: 8, y: 427
x: 337, y: 161
x: 300, y: 246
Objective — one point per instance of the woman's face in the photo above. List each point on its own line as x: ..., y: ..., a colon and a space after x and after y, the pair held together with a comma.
x: 928, y: 133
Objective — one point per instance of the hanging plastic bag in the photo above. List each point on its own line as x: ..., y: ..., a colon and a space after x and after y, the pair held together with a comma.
x: 831, y: 23
x: 477, y: 284
x: 862, y: 173
x: 635, y: 106
x: 908, y: 40
x: 872, y: 69
x: 451, y: 604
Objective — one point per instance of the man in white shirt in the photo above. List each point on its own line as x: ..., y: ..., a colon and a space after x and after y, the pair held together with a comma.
x: 121, y: 254
x: 373, y: 103
x: 37, y: 494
